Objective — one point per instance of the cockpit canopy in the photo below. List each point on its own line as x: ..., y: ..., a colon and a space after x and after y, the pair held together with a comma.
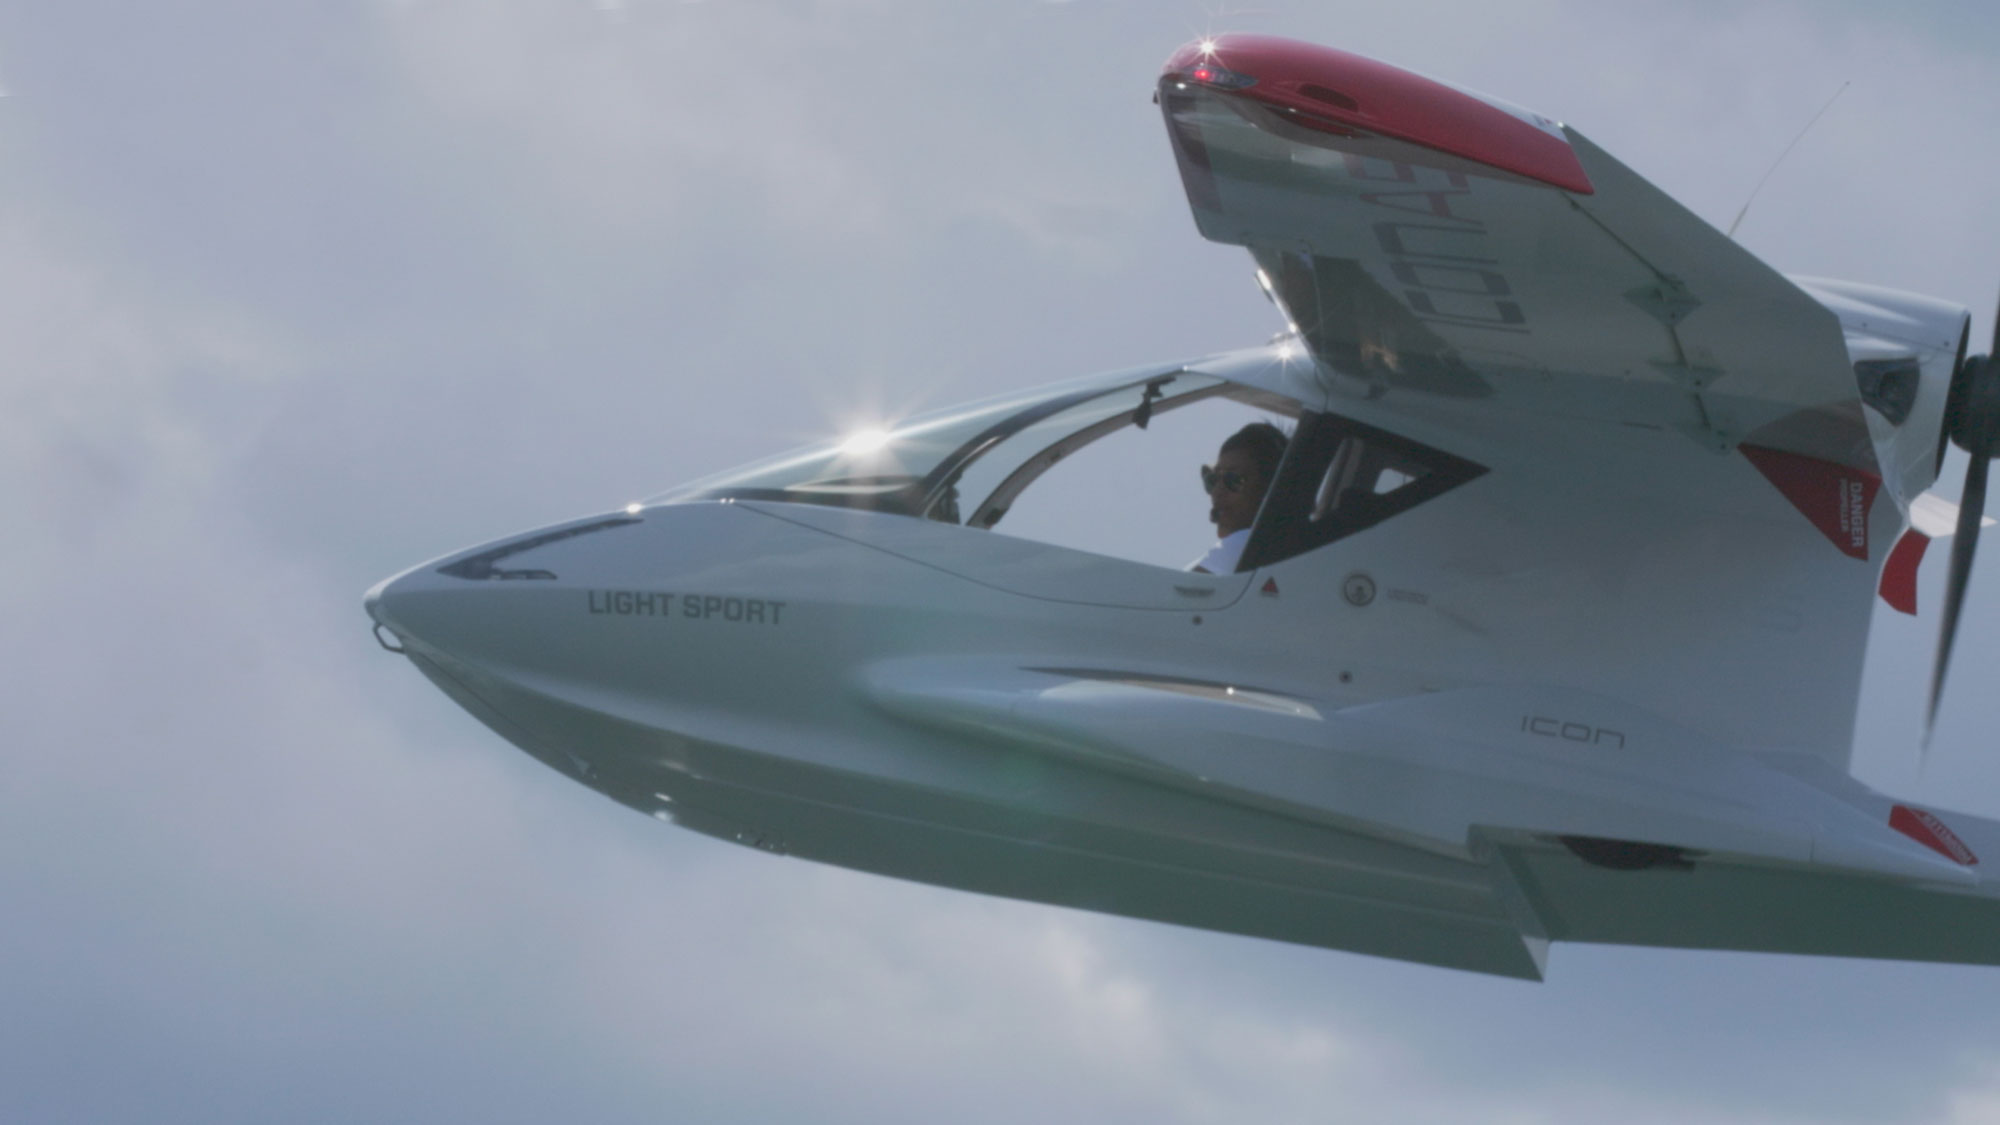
x: 970, y: 465
x: 966, y: 465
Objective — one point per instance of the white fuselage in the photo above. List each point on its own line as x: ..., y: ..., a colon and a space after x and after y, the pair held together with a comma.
x: 1370, y: 746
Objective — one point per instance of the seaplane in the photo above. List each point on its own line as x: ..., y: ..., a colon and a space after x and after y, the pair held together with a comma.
x: 1549, y: 625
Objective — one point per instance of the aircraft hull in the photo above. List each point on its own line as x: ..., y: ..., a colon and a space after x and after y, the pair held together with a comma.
x: 1121, y: 846
x: 890, y: 714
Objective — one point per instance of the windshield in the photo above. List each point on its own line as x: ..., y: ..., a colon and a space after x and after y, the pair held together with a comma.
x: 923, y: 466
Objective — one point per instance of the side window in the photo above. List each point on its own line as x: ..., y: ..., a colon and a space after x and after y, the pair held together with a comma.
x: 1341, y: 477
x: 1124, y: 491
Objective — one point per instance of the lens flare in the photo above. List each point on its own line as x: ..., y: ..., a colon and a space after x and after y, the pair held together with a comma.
x: 861, y: 443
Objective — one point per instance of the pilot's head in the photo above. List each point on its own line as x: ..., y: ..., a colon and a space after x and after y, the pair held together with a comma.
x: 1242, y: 471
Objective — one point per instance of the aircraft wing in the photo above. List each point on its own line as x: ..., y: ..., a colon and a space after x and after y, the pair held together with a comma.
x: 1425, y: 240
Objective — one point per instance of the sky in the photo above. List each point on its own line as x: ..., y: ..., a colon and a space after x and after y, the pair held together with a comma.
x: 295, y: 296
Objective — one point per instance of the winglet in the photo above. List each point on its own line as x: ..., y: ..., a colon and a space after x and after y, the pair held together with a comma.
x: 1331, y: 90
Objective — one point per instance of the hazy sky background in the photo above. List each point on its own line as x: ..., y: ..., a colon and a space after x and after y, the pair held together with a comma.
x: 294, y: 296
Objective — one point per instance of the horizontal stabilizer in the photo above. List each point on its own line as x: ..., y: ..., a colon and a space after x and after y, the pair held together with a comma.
x: 1717, y: 905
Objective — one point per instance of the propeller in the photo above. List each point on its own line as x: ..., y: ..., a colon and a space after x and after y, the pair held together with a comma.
x: 1972, y: 422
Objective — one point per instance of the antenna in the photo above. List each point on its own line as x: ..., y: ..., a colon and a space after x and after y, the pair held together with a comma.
x: 1731, y: 232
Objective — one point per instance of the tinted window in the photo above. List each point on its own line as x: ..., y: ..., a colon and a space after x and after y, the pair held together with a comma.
x: 1340, y: 477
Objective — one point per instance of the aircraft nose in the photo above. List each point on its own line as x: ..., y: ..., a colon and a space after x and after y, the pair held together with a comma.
x: 434, y: 612
x: 498, y: 598
x: 382, y: 602
x: 372, y: 602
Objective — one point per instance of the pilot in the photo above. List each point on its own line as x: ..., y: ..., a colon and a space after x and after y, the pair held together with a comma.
x: 1235, y: 485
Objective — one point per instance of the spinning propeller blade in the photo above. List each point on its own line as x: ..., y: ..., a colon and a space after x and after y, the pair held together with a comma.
x: 1971, y: 503
x: 1972, y: 422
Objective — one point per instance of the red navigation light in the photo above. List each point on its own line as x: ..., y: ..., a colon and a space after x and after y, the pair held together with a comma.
x: 1221, y: 78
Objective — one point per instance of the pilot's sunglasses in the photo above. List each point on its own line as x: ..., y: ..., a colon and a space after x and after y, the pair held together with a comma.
x: 1230, y: 480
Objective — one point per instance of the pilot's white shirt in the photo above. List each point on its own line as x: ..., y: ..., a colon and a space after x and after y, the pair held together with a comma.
x: 1222, y: 558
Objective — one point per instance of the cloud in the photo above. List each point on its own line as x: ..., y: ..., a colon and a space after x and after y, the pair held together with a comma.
x: 281, y: 312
